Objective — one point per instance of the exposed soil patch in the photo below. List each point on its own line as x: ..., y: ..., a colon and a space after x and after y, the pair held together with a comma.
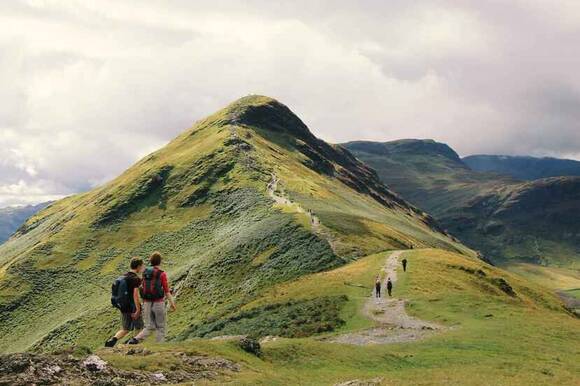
x: 394, y: 325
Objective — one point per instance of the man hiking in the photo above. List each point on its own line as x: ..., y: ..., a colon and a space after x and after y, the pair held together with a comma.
x: 378, y: 287
x: 404, y: 262
x: 154, y: 291
x: 125, y: 297
x: 389, y: 286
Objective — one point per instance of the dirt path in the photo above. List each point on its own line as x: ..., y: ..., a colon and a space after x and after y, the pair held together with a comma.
x: 314, y: 220
x: 394, y: 325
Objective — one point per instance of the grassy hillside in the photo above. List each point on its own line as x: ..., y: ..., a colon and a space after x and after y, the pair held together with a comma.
x: 524, y: 337
x: 508, y: 220
x: 524, y: 168
x: 204, y: 202
x: 12, y: 218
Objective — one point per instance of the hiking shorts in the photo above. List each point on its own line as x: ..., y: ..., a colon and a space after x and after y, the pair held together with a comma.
x: 129, y: 324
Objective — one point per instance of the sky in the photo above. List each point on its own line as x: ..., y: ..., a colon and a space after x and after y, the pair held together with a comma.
x: 89, y: 87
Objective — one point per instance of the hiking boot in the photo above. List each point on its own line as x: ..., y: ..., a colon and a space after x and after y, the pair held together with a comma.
x: 132, y: 341
x: 111, y: 342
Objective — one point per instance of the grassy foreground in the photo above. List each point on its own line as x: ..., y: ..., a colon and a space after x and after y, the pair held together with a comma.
x: 503, y: 331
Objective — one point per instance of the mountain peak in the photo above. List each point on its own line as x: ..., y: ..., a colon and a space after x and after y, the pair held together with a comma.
x: 266, y: 113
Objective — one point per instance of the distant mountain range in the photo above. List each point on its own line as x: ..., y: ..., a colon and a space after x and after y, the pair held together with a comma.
x: 11, y: 218
x: 505, y: 218
x: 523, y: 168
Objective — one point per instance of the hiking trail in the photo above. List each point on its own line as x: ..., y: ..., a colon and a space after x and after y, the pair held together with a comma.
x: 394, y: 325
x: 314, y: 220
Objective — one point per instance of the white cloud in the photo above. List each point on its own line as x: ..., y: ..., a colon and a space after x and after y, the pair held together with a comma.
x: 89, y: 87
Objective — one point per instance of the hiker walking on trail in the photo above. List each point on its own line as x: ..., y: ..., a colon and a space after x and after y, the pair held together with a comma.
x: 125, y: 297
x: 378, y: 287
x: 404, y: 262
x: 389, y: 286
x: 154, y: 291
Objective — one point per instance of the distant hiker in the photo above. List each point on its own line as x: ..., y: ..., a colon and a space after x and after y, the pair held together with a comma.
x: 389, y: 286
x: 378, y: 287
x: 404, y: 262
x: 154, y: 291
x: 125, y: 297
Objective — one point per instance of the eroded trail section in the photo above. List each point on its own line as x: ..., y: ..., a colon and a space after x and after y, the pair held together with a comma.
x: 394, y: 325
x: 314, y: 220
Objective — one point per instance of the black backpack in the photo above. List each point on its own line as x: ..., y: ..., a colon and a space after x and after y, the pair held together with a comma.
x: 120, y: 296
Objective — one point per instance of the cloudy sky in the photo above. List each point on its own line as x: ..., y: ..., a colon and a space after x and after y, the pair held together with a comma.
x: 88, y: 87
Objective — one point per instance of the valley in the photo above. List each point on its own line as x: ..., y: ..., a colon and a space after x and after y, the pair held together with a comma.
x: 511, y: 222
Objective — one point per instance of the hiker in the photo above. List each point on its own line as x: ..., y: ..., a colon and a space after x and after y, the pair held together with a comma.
x: 378, y: 287
x: 125, y: 297
x: 389, y: 286
x: 404, y: 262
x: 154, y: 291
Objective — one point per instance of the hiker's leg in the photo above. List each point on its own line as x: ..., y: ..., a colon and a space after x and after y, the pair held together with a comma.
x: 121, y: 334
x: 148, y: 321
x: 160, y: 321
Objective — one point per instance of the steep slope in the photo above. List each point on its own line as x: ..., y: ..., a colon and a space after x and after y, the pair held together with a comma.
x: 245, y: 199
x: 508, y: 220
x: 523, y: 168
x: 12, y: 218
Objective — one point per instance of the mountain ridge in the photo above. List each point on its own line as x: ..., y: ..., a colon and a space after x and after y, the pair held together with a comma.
x: 506, y: 218
x: 202, y: 200
x: 523, y: 167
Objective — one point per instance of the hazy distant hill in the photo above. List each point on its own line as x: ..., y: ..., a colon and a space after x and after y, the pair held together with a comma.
x: 524, y: 168
x: 505, y: 218
x: 11, y: 218
x: 244, y: 200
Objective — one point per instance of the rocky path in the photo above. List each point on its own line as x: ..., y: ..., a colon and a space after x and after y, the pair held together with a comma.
x: 314, y: 220
x: 394, y: 325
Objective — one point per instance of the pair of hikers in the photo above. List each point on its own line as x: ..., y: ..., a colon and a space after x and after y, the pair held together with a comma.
x: 389, y: 282
x: 149, y: 284
x: 378, y: 286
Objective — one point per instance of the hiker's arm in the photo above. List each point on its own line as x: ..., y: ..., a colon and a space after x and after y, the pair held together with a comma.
x: 167, y: 291
x: 137, y: 301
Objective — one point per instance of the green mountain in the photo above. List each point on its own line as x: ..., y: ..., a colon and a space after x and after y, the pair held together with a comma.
x: 244, y: 200
x: 523, y: 168
x: 273, y: 233
x: 508, y: 220
x: 11, y: 218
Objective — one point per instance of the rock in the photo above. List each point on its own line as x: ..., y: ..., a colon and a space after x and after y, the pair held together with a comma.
x: 52, y: 370
x: 94, y: 363
x: 269, y: 338
x: 358, y: 382
x: 251, y: 346
x: 159, y: 377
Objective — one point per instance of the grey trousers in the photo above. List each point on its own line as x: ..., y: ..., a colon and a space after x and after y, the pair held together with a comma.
x: 154, y: 318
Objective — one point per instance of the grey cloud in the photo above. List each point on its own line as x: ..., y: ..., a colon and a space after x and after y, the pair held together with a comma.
x: 89, y: 87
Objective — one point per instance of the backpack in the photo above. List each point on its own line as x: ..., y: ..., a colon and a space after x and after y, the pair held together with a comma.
x: 120, y: 296
x: 151, y: 287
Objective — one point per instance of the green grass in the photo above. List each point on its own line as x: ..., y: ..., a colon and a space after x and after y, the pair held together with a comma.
x: 202, y: 202
x: 526, y: 339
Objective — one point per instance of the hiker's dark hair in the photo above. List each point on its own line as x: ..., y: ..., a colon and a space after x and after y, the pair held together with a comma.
x: 136, y: 262
x: 155, y: 258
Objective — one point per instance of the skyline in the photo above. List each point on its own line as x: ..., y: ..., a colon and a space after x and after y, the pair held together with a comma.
x: 88, y: 89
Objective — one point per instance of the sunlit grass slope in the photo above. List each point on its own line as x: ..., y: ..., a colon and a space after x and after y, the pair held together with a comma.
x: 502, y: 330
x: 202, y: 201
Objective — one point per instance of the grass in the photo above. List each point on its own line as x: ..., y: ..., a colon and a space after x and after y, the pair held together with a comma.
x: 550, y: 277
x: 202, y: 202
x: 527, y: 339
